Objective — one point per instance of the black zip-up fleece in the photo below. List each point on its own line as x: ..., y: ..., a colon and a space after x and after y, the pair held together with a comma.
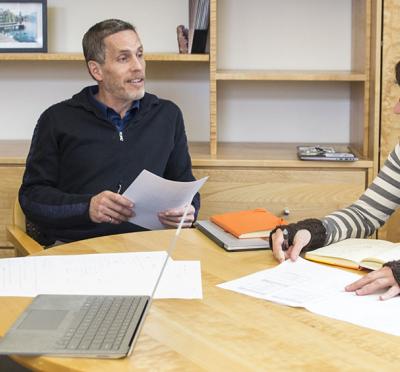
x: 76, y: 153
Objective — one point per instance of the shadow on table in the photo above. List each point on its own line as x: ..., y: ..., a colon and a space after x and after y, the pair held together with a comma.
x: 7, y: 364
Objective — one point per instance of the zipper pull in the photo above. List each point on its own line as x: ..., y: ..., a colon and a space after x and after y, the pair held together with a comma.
x: 121, y: 136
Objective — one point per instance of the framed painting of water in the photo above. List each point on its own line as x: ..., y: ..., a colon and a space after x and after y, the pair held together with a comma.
x: 23, y: 26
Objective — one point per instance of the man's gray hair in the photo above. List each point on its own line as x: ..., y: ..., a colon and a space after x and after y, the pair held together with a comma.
x: 93, y: 40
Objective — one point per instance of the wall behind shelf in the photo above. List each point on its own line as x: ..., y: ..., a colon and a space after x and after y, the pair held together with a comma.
x: 284, y: 35
x: 284, y: 112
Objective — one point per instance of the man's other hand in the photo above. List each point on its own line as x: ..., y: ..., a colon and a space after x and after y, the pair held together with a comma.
x: 172, y: 217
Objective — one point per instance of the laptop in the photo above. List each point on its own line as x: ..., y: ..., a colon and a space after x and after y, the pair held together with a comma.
x: 82, y: 325
x: 227, y: 241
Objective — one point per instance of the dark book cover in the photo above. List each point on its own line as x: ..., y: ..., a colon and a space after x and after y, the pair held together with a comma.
x: 199, y: 41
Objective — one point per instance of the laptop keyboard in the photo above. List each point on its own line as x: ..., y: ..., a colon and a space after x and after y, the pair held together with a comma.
x: 102, y: 322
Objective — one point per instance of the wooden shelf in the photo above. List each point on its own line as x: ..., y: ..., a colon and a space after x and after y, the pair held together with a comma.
x: 177, y: 57
x: 157, y: 57
x: 272, y: 155
x: 290, y: 75
x: 14, y: 151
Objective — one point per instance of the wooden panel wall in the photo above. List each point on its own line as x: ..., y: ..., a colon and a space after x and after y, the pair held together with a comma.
x: 305, y: 193
x: 390, y: 123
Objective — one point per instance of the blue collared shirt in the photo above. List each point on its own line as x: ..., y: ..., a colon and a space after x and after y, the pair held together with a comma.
x: 111, y: 115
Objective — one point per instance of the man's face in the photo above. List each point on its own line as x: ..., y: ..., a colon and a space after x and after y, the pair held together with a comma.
x: 121, y: 77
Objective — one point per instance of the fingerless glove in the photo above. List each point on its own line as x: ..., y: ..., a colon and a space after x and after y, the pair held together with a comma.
x: 313, y: 225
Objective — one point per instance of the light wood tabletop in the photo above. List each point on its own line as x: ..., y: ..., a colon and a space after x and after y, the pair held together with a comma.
x: 225, y: 331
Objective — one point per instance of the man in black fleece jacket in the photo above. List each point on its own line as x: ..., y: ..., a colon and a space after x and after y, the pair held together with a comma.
x: 87, y: 150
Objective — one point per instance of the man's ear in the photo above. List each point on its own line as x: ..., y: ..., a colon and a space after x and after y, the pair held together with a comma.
x: 95, y: 70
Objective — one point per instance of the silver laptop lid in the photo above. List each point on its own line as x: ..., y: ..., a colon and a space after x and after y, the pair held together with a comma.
x: 171, y: 248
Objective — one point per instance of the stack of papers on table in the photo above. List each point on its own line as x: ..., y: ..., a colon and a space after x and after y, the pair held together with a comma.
x: 100, y: 274
x: 320, y: 289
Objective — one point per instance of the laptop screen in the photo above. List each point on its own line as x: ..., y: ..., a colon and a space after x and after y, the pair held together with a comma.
x: 171, y: 248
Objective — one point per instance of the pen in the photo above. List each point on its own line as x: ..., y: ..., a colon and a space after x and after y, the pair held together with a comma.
x: 285, y: 243
x: 119, y: 187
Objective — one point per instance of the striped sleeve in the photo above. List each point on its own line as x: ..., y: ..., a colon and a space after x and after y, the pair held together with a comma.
x: 374, y: 207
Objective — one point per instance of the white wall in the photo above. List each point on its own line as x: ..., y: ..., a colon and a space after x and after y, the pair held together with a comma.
x: 286, y: 34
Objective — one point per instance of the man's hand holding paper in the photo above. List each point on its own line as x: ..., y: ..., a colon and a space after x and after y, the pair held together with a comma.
x: 160, y: 203
x: 172, y: 217
x: 110, y: 207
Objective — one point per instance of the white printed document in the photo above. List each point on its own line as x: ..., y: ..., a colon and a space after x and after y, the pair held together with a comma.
x: 103, y: 274
x: 319, y: 289
x: 153, y: 194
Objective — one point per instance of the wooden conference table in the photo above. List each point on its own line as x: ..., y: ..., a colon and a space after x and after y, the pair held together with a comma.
x: 224, y: 331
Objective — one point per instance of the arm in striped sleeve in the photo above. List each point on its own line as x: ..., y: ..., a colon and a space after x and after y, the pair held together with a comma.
x: 372, y: 209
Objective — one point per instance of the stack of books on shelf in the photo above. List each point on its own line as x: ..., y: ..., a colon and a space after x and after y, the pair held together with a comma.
x: 242, y: 230
x: 194, y: 40
x: 199, y: 16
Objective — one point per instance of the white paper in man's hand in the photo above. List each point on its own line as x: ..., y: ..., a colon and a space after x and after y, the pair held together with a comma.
x: 153, y: 194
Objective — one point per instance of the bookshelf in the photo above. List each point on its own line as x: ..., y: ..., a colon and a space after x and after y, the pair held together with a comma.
x: 261, y: 75
x: 363, y: 32
x: 390, y: 130
x: 246, y: 174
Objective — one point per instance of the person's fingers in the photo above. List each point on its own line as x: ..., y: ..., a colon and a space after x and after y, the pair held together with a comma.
x: 120, y: 200
x: 390, y: 293
x: 300, y: 240
x: 294, y: 252
x: 176, y: 219
x: 372, y: 287
x: 385, y: 272
x: 122, y: 206
x: 172, y: 217
x: 277, y: 240
x: 374, y: 281
x: 360, y: 282
x: 178, y: 212
x: 116, y: 217
x: 108, y: 205
x: 175, y: 223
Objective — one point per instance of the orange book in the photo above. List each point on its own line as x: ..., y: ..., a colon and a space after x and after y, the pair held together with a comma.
x: 254, y: 223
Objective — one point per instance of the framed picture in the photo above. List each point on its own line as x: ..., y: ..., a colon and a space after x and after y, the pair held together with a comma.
x: 23, y: 26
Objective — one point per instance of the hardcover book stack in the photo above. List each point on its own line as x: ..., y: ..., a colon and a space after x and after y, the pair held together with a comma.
x: 199, y: 15
x: 241, y: 230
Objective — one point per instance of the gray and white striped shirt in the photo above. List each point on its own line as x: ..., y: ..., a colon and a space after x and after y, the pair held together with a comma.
x: 372, y: 209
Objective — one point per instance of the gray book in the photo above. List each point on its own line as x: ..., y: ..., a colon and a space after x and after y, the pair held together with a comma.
x: 228, y: 241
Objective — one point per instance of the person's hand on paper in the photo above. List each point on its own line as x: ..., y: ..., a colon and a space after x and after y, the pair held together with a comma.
x: 300, y: 240
x: 110, y: 207
x: 172, y: 217
x: 375, y: 281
